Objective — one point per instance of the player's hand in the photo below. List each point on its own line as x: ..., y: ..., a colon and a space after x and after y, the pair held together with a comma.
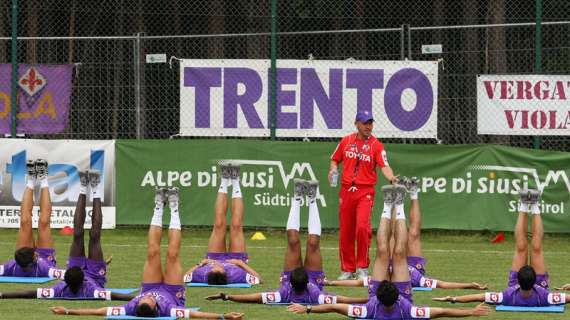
x: 205, y: 261
x: 395, y: 180
x: 481, y: 310
x: 479, y: 286
x: 233, y: 315
x: 331, y: 172
x: 236, y: 262
x: 564, y: 287
x: 327, y: 282
x: 109, y: 260
x: 59, y: 310
x: 297, y: 308
x: 443, y: 299
x: 218, y: 296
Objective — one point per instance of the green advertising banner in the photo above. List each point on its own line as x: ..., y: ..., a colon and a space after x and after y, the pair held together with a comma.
x: 466, y: 187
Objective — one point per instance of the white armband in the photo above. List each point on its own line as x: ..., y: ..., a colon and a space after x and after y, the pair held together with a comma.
x: 102, y: 294
x: 188, y: 277
x: 116, y: 311
x: 45, y: 293
x: 180, y: 313
x: 420, y: 312
x: 251, y: 279
x: 1, y: 269
x: 55, y: 273
x: 357, y: 311
x: 428, y: 283
x: 494, y: 297
x: 327, y: 299
x: 556, y: 298
x: 271, y: 297
x: 366, y: 281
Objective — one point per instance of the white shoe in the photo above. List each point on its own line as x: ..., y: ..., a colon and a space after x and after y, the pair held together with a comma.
x: 346, y: 276
x: 361, y: 274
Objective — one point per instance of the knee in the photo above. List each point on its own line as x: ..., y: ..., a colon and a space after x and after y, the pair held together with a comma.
x: 400, y: 251
x: 236, y: 226
x: 414, y: 234
x: 25, y: 223
x: 94, y: 234
x: 521, y: 247
x: 313, y: 244
x: 293, y: 241
x: 78, y: 233
x: 44, y: 222
x: 536, y: 247
x: 220, y: 226
x: 172, y: 255
x: 153, y: 251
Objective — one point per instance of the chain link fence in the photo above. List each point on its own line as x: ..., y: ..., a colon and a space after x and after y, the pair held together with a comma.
x: 116, y: 94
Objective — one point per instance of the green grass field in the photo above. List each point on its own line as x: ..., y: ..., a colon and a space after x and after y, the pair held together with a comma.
x: 452, y: 257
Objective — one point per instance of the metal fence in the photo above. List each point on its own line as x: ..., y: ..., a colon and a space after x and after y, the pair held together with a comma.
x: 115, y: 94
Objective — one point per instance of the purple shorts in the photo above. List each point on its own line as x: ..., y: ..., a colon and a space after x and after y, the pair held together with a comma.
x: 175, y: 293
x: 541, y: 279
x: 48, y: 254
x: 315, y: 277
x: 222, y: 256
x: 419, y: 263
x: 96, y: 270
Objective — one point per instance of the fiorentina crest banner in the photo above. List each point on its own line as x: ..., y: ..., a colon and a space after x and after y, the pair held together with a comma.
x: 312, y: 98
x: 523, y: 104
x: 44, y: 94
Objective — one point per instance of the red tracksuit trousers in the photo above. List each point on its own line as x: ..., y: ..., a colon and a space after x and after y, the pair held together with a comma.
x: 355, y: 209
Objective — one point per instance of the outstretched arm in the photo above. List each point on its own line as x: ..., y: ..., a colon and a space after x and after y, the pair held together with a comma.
x: 345, y: 283
x: 351, y: 300
x: 479, y: 297
x: 478, y: 311
x: 79, y: 312
x: 209, y: 315
x: 564, y: 287
x: 27, y: 294
x: 243, y: 298
x: 460, y: 285
x: 339, y: 308
x: 121, y: 296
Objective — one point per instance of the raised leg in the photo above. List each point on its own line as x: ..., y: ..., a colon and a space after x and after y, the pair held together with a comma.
x: 25, y: 235
x: 77, y: 248
x: 95, y: 248
x: 415, y: 230
x: 237, y: 239
x: 400, y: 271
x: 217, y: 242
x: 537, y: 251
x: 520, y: 257
x: 380, y: 271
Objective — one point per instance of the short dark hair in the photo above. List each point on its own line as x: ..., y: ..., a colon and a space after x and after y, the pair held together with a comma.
x: 387, y: 293
x: 526, y: 277
x: 24, y: 256
x: 144, y: 310
x: 74, y: 278
x: 217, y: 278
x: 299, y: 280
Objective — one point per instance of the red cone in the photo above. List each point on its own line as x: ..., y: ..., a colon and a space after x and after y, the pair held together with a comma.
x: 66, y: 231
x: 500, y: 237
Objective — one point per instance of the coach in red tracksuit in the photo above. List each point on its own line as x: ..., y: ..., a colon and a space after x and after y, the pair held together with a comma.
x: 360, y: 154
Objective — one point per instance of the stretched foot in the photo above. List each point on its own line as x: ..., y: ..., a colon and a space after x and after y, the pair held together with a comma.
x: 389, y: 194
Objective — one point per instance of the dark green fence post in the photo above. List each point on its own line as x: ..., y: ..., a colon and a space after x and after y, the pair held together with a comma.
x: 538, y: 53
x: 14, y: 60
x: 272, y: 112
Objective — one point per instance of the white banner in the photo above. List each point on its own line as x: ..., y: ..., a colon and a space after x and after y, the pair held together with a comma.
x: 523, y: 104
x: 313, y: 98
x: 65, y: 158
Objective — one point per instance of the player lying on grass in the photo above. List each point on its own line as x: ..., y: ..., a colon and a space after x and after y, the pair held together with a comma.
x: 416, y: 261
x: 162, y: 294
x: 84, y: 278
x: 33, y: 259
x: 300, y: 282
x: 390, y: 293
x: 222, y: 266
x: 528, y: 284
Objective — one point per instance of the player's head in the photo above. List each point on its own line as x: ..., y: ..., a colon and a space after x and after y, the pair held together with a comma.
x: 526, y: 277
x: 364, y: 123
x: 387, y: 293
x: 217, y: 276
x: 299, y: 280
x: 147, y: 307
x: 74, y: 278
x: 25, y: 257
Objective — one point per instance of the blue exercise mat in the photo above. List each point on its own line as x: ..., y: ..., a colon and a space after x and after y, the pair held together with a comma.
x: 134, y: 317
x: 556, y: 308
x: 229, y: 285
x: 421, y: 289
x: 25, y: 279
x: 123, y: 290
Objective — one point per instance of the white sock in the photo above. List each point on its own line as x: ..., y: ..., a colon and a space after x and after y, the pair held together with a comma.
x: 44, y: 183
x: 157, y: 215
x: 400, y: 214
x: 535, y: 209
x: 82, y: 189
x: 174, y: 216
x: 414, y: 195
x: 387, y: 211
x: 31, y: 183
x: 224, y: 186
x: 236, y: 189
x: 95, y: 192
x: 524, y: 207
x: 314, y: 219
x: 294, y: 220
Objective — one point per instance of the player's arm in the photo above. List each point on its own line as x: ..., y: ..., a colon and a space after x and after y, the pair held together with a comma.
x: 79, y: 312
x: 121, y: 296
x: 24, y: 294
x: 460, y: 285
x: 351, y: 300
x: 246, y: 267
x: 345, y: 283
x: 481, y: 310
x: 479, y: 297
x: 210, y: 315
x: 339, y: 308
x: 388, y: 174
x: 564, y: 287
x: 243, y: 298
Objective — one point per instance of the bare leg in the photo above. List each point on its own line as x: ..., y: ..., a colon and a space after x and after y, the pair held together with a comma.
x: 414, y: 235
x: 25, y: 235
x: 537, y: 251
x: 313, y: 257
x: 95, y: 249
x: 380, y: 271
x: 173, y: 268
x: 217, y: 242
x: 77, y: 248
x: 152, y: 272
x: 400, y: 271
x: 293, y: 257
x: 521, y: 247
x: 237, y: 239
x: 45, y: 240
